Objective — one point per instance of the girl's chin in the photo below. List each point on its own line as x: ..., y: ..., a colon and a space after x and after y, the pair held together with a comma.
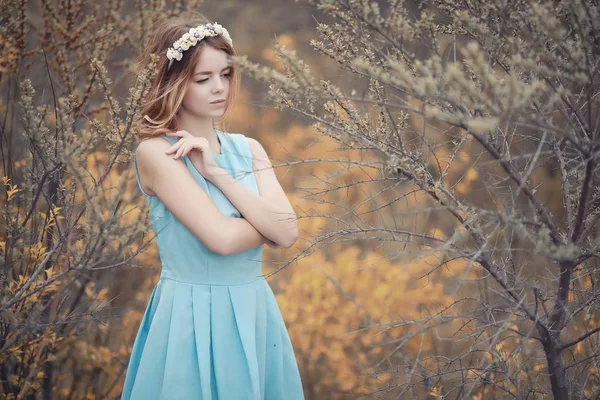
x: 211, y: 114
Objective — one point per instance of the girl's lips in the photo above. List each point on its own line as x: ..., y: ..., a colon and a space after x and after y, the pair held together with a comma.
x: 217, y: 102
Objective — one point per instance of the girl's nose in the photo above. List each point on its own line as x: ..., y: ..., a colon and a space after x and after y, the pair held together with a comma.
x: 218, y: 85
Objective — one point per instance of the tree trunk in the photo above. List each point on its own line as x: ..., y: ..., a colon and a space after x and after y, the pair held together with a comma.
x: 556, y: 370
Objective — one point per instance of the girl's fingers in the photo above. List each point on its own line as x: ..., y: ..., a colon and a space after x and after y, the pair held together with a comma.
x: 172, y: 149
x: 191, y: 146
x: 182, y: 148
x: 188, y: 148
x: 183, y: 133
x: 180, y: 151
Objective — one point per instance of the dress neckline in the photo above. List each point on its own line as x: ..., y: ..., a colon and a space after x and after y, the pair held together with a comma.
x: 221, y: 142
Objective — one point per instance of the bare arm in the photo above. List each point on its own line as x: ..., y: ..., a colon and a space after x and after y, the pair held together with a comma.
x: 172, y: 182
x: 238, y: 235
x: 269, y: 211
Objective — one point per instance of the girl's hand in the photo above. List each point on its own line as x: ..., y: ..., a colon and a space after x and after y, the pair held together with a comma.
x: 197, y: 150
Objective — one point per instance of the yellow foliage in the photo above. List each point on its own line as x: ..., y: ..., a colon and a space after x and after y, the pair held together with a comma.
x: 11, y: 190
x: 324, y: 304
x: 471, y: 175
x: 38, y: 251
x: 13, y: 379
x: 436, y: 392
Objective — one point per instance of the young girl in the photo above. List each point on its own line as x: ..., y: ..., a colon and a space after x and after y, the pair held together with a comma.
x: 212, y: 328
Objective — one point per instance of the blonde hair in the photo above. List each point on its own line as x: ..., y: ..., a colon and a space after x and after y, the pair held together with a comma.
x: 159, y: 108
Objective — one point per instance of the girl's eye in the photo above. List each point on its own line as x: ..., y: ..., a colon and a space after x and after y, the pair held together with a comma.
x: 228, y: 75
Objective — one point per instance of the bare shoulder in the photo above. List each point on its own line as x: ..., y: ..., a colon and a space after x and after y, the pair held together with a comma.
x: 258, y: 151
x: 251, y: 141
x: 151, y: 146
x: 151, y: 151
x: 266, y: 179
x: 152, y: 160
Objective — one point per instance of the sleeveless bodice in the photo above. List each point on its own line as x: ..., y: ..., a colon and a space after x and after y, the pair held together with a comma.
x: 183, y: 256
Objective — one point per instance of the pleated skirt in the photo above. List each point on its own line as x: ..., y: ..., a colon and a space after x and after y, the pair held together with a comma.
x: 205, y: 342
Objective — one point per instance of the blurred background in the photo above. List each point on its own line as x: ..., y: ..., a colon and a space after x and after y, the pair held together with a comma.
x: 366, y: 314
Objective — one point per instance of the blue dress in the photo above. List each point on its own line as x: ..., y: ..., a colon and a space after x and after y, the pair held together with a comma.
x: 212, y: 328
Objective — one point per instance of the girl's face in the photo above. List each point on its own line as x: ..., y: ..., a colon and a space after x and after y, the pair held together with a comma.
x: 207, y: 91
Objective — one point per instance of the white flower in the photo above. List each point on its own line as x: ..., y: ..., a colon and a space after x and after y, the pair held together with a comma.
x: 226, y: 35
x: 193, y: 36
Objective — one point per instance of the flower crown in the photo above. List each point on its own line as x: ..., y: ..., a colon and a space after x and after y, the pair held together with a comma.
x: 192, y: 37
